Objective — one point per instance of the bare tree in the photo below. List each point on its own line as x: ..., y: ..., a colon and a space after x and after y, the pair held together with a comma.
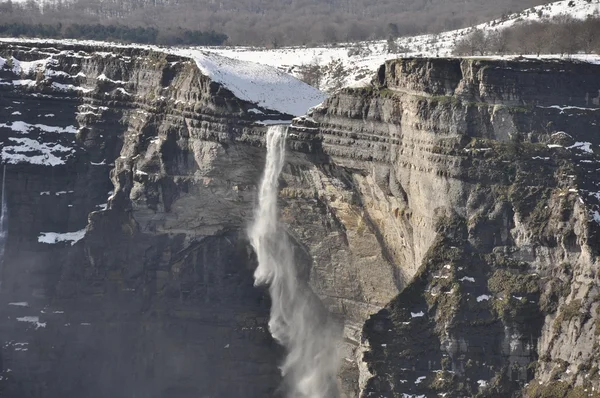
x: 588, y: 34
x: 498, y: 43
x: 392, y: 46
x: 311, y: 73
x: 337, y: 75
x: 475, y: 42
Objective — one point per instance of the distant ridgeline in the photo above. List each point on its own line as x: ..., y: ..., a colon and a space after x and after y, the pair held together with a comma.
x: 119, y: 33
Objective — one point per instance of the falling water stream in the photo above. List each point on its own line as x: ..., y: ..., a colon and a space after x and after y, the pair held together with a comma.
x: 298, y: 321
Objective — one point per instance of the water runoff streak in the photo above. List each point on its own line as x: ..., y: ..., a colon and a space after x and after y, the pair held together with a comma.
x: 3, y: 220
x: 298, y: 320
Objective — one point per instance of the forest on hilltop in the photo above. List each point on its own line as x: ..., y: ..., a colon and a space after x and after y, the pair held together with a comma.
x: 271, y: 23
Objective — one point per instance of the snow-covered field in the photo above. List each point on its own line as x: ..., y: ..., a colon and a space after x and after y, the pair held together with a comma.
x: 362, y: 60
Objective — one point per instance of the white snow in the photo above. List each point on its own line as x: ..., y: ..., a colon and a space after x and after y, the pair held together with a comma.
x: 561, y: 134
x: 417, y: 314
x: 596, y: 216
x: 26, y: 68
x: 20, y: 82
x: 27, y: 149
x: 482, y: 383
x: 55, y: 237
x: 483, y: 297
x: 33, y: 319
x: 263, y: 85
x: 467, y: 278
x: 564, y: 108
x: 272, y: 122
x: 554, y: 146
x: 103, y: 77
x: 23, y: 128
x: 582, y: 146
x: 123, y: 91
x: 70, y: 87
x: 53, y: 73
x: 20, y: 304
x: 420, y: 379
x: 16, y: 113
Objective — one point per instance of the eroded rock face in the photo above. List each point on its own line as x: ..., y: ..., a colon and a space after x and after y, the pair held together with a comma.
x: 157, y: 299
x: 446, y: 215
x: 478, y: 180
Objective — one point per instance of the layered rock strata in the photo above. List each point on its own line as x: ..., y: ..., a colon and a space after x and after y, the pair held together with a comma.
x: 478, y: 180
x: 130, y: 180
x: 448, y: 215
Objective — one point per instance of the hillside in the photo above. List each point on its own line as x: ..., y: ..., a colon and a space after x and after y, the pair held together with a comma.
x: 352, y: 64
x: 270, y: 22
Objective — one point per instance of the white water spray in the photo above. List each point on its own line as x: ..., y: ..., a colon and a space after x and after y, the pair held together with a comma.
x: 298, y: 320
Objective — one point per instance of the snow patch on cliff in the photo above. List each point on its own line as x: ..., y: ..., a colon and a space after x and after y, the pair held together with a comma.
x: 34, y: 320
x: 31, y: 151
x: 260, y: 84
x: 23, y: 128
x: 483, y: 297
x: 56, y: 237
x: 20, y: 304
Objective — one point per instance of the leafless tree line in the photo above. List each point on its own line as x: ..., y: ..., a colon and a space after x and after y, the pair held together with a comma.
x: 272, y: 22
x: 561, y: 35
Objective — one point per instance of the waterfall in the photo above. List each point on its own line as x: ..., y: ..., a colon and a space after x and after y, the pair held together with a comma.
x: 298, y: 321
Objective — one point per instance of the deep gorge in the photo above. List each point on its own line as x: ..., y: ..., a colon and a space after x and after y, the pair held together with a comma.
x: 448, y: 214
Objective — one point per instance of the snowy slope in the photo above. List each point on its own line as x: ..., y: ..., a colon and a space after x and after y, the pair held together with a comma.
x: 372, y: 54
x: 264, y: 85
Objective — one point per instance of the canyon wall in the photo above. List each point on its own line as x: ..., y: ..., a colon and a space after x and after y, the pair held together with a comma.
x: 447, y: 215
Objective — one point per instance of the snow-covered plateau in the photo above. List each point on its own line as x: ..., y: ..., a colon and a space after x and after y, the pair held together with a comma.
x: 264, y: 75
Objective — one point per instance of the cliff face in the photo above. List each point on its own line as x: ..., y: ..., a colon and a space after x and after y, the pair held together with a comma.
x: 142, y: 154
x: 448, y: 214
x: 478, y: 180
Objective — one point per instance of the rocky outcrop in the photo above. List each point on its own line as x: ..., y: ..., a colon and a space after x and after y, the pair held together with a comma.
x: 476, y: 178
x: 448, y: 215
